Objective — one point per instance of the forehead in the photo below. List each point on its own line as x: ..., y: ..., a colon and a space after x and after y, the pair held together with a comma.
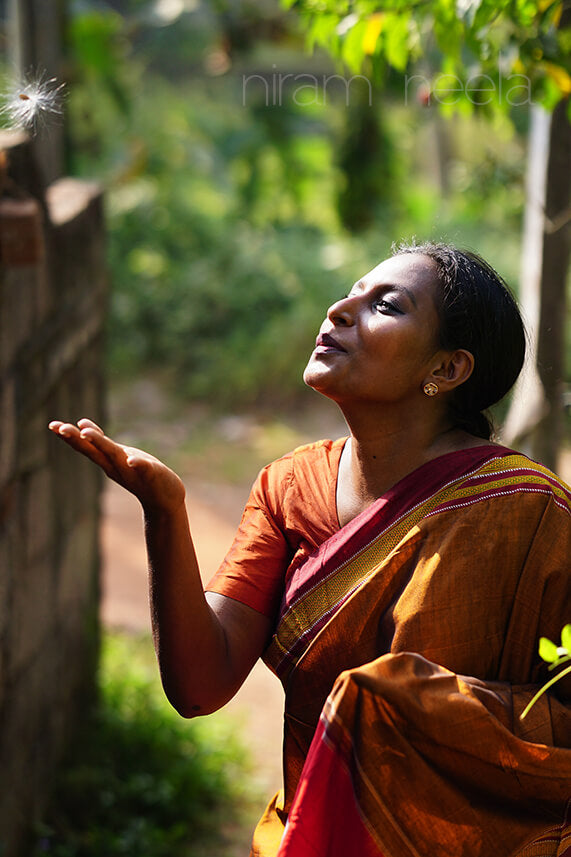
x: 411, y: 270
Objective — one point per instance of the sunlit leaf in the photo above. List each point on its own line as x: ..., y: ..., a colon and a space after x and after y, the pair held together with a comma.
x: 560, y: 76
x: 547, y: 650
x: 352, y: 47
x: 518, y: 67
x: 347, y: 24
x: 566, y: 638
x: 323, y: 31
x: 372, y: 32
x: 396, y: 40
x: 557, y: 14
x: 467, y: 9
x: 549, y: 94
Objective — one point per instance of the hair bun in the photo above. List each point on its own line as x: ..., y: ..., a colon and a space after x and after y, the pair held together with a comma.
x: 479, y: 314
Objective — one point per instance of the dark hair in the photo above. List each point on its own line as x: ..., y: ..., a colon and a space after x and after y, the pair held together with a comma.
x: 479, y: 313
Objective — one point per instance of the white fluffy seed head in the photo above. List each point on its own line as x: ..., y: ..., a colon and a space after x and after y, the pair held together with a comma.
x: 30, y: 102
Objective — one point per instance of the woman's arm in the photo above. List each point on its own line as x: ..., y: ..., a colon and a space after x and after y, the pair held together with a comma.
x: 206, y: 644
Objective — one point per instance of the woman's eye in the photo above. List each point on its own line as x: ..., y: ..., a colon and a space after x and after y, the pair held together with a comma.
x: 385, y: 306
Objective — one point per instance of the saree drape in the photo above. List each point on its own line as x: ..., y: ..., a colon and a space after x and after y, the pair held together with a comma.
x: 407, y: 646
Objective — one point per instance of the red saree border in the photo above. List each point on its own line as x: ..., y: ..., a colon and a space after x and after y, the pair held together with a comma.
x: 402, y: 498
x: 325, y: 820
x: 424, y: 758
x: 329, y: 577
x: 348, y: 557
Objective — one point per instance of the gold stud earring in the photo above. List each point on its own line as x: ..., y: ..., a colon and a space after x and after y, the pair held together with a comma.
x: 430, y: 389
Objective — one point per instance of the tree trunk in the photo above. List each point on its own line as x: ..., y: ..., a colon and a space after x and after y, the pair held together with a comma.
x: 542, y: 425
x: 528, y: 405
x: 555, y: 265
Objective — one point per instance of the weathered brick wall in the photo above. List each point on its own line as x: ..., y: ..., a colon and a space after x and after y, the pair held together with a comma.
x: 52, y: 304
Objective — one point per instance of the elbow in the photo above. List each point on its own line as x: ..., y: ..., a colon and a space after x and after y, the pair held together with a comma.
x: 190, y: 711
x: 195, y: 693
x: 192, y: 707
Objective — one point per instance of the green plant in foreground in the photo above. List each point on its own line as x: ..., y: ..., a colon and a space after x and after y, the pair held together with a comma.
x: 554, y: 655
x: 140, y: 779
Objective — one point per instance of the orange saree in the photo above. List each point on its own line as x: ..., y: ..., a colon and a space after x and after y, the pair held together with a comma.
x: 407, y: 646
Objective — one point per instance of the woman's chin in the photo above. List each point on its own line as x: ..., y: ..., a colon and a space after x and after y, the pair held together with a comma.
x: 313, y: 377
x: 318, y: 382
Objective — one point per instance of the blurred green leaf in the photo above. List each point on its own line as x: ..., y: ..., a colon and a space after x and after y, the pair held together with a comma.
x: 548, y: 650
x: 396, y: 35
x: 94, y: 36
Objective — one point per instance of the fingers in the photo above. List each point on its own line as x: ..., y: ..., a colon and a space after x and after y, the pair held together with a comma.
x: 84, y: 430
x: 137, y: 459
x: 120, y: 463
x: 64, y: 429
x: 151, y: 481
x: 85, y: 423
x: 115, y: 452
x: 70, y: 430
x: 82, y: 440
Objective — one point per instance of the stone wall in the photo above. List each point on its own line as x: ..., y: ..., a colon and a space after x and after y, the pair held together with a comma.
x: 52, y: 305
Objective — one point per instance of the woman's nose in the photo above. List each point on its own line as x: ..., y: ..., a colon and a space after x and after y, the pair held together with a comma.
x: 341, y: 312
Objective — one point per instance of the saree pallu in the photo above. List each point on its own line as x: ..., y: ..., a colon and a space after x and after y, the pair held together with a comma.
x: 407, y: 646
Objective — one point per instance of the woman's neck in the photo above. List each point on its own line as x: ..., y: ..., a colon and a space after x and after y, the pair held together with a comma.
x: 373, y: 461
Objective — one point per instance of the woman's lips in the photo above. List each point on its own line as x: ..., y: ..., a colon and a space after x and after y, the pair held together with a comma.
x: 325, y: 342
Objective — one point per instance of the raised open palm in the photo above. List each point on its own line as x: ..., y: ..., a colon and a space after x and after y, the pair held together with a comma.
x: 152, y: 482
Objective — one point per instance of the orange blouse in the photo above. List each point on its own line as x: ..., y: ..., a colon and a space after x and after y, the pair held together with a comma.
x: 291, y: 510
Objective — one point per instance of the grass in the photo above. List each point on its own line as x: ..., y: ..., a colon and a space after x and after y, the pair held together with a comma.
x: 141, y: 780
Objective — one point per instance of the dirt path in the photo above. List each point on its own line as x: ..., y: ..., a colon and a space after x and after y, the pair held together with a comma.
x: 258, y: 706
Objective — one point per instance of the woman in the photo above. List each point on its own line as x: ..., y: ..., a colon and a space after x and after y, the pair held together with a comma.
x: 397, y: 581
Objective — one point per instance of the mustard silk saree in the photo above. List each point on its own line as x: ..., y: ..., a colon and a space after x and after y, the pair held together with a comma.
x: 407, y: 646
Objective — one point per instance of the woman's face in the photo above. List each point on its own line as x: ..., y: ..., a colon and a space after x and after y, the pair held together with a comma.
x: 380, y: 342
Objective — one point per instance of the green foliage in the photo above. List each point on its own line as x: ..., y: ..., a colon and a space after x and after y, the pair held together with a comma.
x: 141, y: 780
x: 487, y: 41
x: 233, y: 219
x: 102, y: 77
x: 370, y: 165
x: 555, y: 656
x: 217, y: 272
x: 230, y: 316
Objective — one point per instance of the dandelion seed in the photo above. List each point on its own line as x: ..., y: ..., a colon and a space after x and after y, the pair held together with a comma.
x: 28, y: 103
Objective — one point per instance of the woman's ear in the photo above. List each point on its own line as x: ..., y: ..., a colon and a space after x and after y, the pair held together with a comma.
x: 455, y: 369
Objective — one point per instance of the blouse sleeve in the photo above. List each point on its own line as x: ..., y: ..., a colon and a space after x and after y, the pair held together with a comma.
x: 253, y: 570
